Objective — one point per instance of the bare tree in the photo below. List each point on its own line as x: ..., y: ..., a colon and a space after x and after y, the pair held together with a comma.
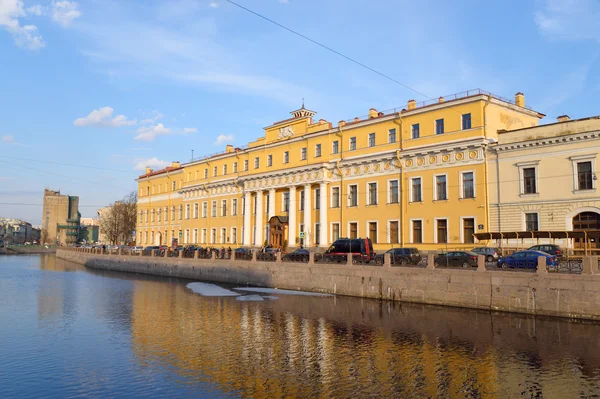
x: 118, y: 220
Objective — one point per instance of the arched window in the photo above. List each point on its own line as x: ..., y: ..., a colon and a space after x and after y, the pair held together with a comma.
x: 586, y: 221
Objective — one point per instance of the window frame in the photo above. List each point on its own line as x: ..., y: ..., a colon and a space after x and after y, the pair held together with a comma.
x: 527, y: 165
x: 234, y: 207
x: 331, y: 224
x: 335, y: 147
x: 368, y: 193
x: 269, y: 161
x: 256, y: 162
x: 435, y: 189
x: 349, y: 202
x: 390, y: 132
x: 352, y: 144
x: 389, y: 191
x: 411, y: 190
x: 462, y: 121
x: 318, y: 150
x: 537, y: 220
x: 285, y: 205
x: 415, y: 128
x: 368, y: 230
x: 286, y: 157
x: 214, y: 209
x: 339, y: 196
x: 196, y: 210
x: 462, y: 229
x: 372, y: 140
x: 350, y: 222
x: 436, y: 126
x: 303, y: 152
x: 389, y: 230
x: 436, y: 238
x: 205, y: 209
x: 577, y: 159
x: 462, y: 185
x: 246, y: 165
x: 412, y: 231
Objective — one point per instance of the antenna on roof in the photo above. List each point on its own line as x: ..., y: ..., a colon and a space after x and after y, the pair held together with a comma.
x: 192, y: 155
x: 302, y: 102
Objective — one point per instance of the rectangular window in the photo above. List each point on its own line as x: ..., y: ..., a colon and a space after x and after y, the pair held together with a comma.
x: 235, y: 167
x: 466, y: 121
x: 180, y: 212
x: 335, y: 147
x: 529, y: 186
x: 394, y: 196
x: 317, y: 233
x: 394, y: 233
x: 468, y: 230
x: 531, y: 222
x: 166, y: 214
x: 172, y: 214
x: 353, y: 230
x: 371, y: 139
x: 173, y: 186
x: 302, y: 200
x: 352, y: 143
x: 353, y: 198
x: 203, y: 236
x: 234, y: 207
x: 417, y: 226
x: 246, y: 165
x: 256, y: 163
x: 234, y: 235
x: 187, y: 211
x: 195, y: 236
x: 205, y: 209
x: 213, y: 212
x: 205, y: 175
x: 158, y: 215
x: 223, y: 235
x: 243, y: 205
x: 224, y: 208
x: 442, y: 231
x: 268, y: 203
x: 415, y: 131
x: 373, y: 232
x: 318, y: 198
x: 214, y: 171
x: 213, y: 236
x: 318, y: 150
x: 269, y: 161
x: 392, y: 136
x: 303, y: 154
x: 468, y: 186
x: 286, y: 202
x: 584, y: 176
x: 196, y: 210
x: 286, y: 157
x: 152, y: 215
x: 416, y: 189
x: 335, y: 231
x: 335, y: 197
x: 372, y: 193
x: 440, y: 188
x: 256, y: 202
x: 439, y: 126
x: 224, y: 169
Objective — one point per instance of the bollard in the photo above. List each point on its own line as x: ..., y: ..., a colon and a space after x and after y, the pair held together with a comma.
x: 311, y: 258
x: 166, y: 254
x: 481, y: 263
x: 233, y: 255
x: 278, y: 257
x: 120, y: 252
x: 181, y: 253
x: 387, y: 260
x: 541, y: 266
x: 213, y: 255
x: 153, y: 253
x: 590, y: 265
x: 196, y: 254
x: 430, y: 261
x: 349, y: 259
x: 253, y: 255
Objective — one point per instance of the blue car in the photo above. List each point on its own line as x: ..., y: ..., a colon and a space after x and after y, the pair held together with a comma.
x: 527, y: 260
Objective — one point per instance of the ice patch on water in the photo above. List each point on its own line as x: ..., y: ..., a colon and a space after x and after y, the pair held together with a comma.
x: 280, y: 292
x: 206, y: 289
x: 250, y: 298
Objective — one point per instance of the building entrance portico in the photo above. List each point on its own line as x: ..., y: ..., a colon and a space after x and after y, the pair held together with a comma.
x: 278, y: 226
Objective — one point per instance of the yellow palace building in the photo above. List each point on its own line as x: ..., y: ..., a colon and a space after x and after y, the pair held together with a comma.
x: 407, y: 177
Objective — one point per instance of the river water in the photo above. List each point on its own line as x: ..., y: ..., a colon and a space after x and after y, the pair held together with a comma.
x: 67, y: 331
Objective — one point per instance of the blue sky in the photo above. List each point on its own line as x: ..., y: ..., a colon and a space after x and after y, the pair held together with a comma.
x: 115, y: 85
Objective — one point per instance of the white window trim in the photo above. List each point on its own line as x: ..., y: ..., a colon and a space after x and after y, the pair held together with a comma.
x: 204, y: 237
x: 462, y: 228
x: 256, y: 162
x: 411, y: 230
x: 331, y: 231
x: 350, y: 144
x: 269, y: 161
x: 367, y: 196
x: 389, y: 230
x: 283, y: 202
x: 331, y: 197
x: 205, y: 174
x: 213, y: 235
x: 320, y: 147
x: 215, y: 171
x: 225, y: 169
x: 333, y: 147
x: 223, y: 214
x: 435, y: 133
x: 348, y: 196
x: 357, y: 228
x: 435, y: 230
x: 435, y: 194
x: 288, y: 157
x: 195, y: 236
x: 214, y: 209
x: 186, y: 236
x: 461, y: 184
x: 524, y: 220
x: 582, y: 158
x: 235, y: 167
x: 316, y: 236
x: 315, y: 200
x: 374, y: 140
x: 232, y: 236
x: 412, y: 131
x: 376, y: 221
x: 204, y: 208
x: 223, y: 235
x: 301, y: 194
x: 303, y: 153
x: 395, y: 136
x: 410, y: 189
x: 187, y: 211
x: 233, y: 207
x: 389, y: 192
x: 527, y: 165
x: 462, y: 116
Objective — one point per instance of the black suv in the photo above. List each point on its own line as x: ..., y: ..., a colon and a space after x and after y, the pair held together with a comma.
x: 549, y: 249
x: 401, y: 256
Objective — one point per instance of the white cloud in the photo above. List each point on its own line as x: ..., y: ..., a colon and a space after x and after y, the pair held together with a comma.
x: 64, y: 12
x: 149, y: 133
x: 103, y: 118
x: 568, y: 19
x: 223, y: 139
x: 284, y: 1
x: 8, y: 139
x: 155, y: 117
x: 190, y: 130
x: 153, y: 163
x: 213, y: 4
x: 25, y: 36
x: 35, y: 10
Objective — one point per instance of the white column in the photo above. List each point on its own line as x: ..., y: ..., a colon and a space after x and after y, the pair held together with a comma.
x: 292, y: 218
x: 247, y: 226
x: 307, y: 212
x: 272, y: 195
x: 259, y: 219
x: 323, y: 215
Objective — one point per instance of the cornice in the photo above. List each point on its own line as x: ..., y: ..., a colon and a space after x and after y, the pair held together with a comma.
x: 547, y: 141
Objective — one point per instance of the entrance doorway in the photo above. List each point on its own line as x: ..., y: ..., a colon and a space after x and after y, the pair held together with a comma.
x: 278, y: 226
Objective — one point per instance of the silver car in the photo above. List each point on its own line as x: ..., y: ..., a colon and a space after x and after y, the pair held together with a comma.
x: 491, y: 254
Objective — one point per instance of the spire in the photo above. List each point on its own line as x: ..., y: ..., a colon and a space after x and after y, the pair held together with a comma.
x: 302, y: 103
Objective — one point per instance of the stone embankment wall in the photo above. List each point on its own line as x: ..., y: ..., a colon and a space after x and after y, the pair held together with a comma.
x: 538, y: 293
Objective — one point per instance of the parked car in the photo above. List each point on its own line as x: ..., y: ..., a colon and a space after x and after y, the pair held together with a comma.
x: 491, y: 254
x: 360, y: 248
x: 299, y: 255
x: 401, y: 256
x: 527, y: 260
x: 457, y: 258
x: 137, y: 249
x: 549, y: 249
x: 243, y: 253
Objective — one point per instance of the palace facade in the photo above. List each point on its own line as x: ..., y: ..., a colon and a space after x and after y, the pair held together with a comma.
x: 415, y: 176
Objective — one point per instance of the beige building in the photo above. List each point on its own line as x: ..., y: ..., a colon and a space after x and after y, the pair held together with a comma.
x: 544, y: 178
x: 60, y: 219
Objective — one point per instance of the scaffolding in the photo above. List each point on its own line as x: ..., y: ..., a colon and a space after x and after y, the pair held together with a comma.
x: 589, y: 240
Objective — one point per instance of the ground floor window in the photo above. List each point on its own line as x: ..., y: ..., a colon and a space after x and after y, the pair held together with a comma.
x: 373, y: 232
x: 417, y: 227
x: 394, y: 232
x: 353, y: 230
x: 442, y: 231
x: 468, y: 230
x: 234, y: 235
x: 335, y: 231
x: 317, y: 233
x: 213, y: 238
x: 223, y: 235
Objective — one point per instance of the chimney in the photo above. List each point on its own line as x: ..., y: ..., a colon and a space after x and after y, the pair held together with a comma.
x: 175, y: 164
x: 412, y: 104
x: 373, y: 113
x: 228, y: 149
x: 441, y: 100
x: 520, y: 100
x: 341, y: 123
x: 563, y: 118
x: 356, y: 119
x: 148, y: 170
